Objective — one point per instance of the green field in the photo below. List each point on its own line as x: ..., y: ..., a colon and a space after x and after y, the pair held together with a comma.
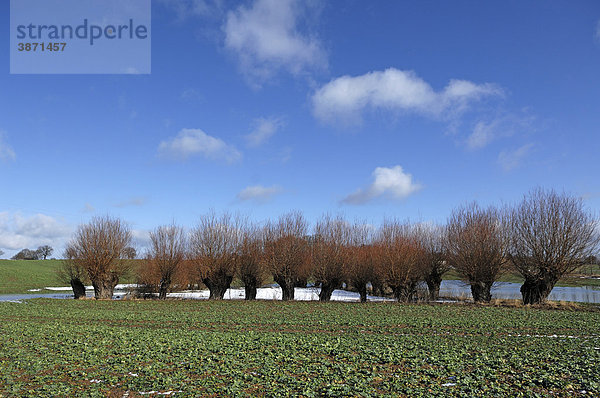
x: 201, y: 348
x: 19, y: 276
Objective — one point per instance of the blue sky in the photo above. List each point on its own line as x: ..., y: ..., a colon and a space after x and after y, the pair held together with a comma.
x: 371, y: 109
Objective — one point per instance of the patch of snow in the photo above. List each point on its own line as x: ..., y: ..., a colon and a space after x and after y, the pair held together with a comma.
x: 133, y: 374
x: 95, y: 381
x: 448, y: 384
x: 34, y: 290
x: 275, y: 293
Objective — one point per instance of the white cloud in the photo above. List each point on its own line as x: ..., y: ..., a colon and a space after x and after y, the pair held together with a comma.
x: 506, y: 125
x: 140, y: 240
x: 88, y: 208
x: 598, y: 31
x: 510, y: 160
x: 392, y: 183
x: 264, y: 129
x: 258, y: 193
x: 267, y: 36
x: 6, y: 151
x: 190, y: 142
x: 483, y: 134
x: 136, y: 201
x: 19, y: 232
x: 187, y: 8
x: 344, y: 99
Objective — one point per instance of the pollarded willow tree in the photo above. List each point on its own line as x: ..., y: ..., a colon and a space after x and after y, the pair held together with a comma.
x: 551, y: 234
x: 251, y: 267
x: 330, y: 249
x: 401, y: 258
x: 214, y: 245
x: 476, y: 246
x: 434, y: 260
x: 98, y: 248
x: 286, y: 251
x: 168, y: 248
x: 72, y: 273
x: 362, y: 267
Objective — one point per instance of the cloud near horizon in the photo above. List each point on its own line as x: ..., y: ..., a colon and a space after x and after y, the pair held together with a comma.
x: 191, y: 142
x: 389, y: 183
x: 344, y: 99
x: 18, y: 232
x: 266, y: 36
x: 259, y: 193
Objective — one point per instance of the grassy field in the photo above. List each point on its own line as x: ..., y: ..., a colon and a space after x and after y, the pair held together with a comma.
x: 18, y: 276
x: 140, y: 348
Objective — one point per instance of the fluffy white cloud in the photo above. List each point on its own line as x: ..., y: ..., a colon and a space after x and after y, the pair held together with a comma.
x: 392, y: 183
x: 510, y: 160
x: 6, y: 151
x: 190, y: 142
x: 264, y: 129
x: 267, y: 36
x: 344, y: 99
x: 258, y: 193
x: 19, y: 232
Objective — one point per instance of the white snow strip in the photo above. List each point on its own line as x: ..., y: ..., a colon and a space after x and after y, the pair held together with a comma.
x: 95, y: 381
x: 133, y: 374
x: 34, y: 290
x: 274, y: 293
x: 121, y: 286
x: 448, y: 384
x: 159, y: 393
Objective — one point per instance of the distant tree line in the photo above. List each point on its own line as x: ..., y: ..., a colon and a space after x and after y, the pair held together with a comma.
x: 545, y: 236
x: 41, y: 253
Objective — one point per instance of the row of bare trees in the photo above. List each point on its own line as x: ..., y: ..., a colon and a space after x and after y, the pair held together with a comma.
x: 545, y: 236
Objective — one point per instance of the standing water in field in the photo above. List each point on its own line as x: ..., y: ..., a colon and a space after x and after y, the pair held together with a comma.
x: 507, y: 290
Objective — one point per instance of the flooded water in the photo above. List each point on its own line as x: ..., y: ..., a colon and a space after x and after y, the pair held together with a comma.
x: 506, y: 290
x: 20, y: 297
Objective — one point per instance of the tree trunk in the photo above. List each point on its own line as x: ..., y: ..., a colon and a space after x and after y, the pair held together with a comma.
x: 434, y: 282
x: 536, y: 291
x: 165, y: 284
x: 326, y: 291
x: 404, y: 292
x: 78, y: 288
x: 362, y: 290
x: 287, y: 288
x: 218, y: 287
x: 250, y: 286
x: 103, y: 289
x: 377, y: 288
x: 481, y: 291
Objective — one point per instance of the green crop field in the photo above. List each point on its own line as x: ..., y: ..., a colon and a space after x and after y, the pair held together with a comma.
x: 92, y: 348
